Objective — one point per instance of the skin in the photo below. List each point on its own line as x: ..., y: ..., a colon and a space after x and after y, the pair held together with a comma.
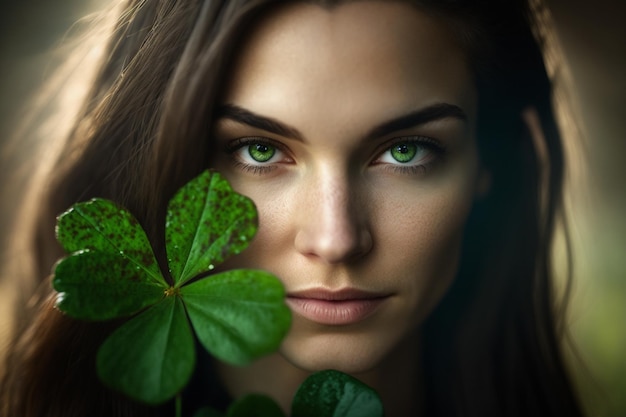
x: 336, y: 209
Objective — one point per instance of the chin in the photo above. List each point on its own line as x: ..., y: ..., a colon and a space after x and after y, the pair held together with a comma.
x: 351, y: 354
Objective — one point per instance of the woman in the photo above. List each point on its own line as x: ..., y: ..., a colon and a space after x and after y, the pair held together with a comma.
x: 407, y: 170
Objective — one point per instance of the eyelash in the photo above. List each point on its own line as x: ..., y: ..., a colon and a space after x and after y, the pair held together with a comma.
x: 427, y: 143
x: 235, y: 145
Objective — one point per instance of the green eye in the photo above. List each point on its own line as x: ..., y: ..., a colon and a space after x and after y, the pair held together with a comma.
x: 404, y: 152
x: 261, y: 152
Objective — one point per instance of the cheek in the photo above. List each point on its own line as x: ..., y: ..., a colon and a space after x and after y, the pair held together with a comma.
x: 420, y: 239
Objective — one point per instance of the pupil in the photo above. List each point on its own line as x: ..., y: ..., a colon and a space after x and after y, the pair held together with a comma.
x: 261, y: 153
x: 404, y: 152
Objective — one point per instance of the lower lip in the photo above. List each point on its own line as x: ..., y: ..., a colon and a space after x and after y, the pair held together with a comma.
x: 335, y: 313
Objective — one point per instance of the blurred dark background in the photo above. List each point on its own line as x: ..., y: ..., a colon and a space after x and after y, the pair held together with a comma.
x: 28, y: 31
x: 593, y: 39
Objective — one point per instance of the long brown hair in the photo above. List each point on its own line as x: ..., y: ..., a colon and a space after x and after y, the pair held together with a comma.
x: 490, y: 348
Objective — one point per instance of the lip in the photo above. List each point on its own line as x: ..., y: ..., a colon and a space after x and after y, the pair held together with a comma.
x: 335, y: 308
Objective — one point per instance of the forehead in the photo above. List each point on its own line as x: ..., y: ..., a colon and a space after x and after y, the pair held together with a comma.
x: 362, y: 56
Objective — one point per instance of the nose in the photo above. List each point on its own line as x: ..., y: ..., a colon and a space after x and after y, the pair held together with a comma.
x: 333, y: 225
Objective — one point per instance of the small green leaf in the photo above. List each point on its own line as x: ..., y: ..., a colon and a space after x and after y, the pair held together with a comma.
x: 238, y: 315
x: 255, y: 405
x: 152, y: 356
x: 335, y: 394
x: 206, y: 222
x: 100, y: 286
x: 104, y: 226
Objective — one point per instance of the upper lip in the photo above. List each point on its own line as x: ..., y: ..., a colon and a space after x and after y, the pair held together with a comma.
x: 343, y: 294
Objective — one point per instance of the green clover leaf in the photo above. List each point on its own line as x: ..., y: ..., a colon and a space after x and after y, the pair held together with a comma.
x: 160, y: 359
x: 112, y: 272
x: 202, y: 229
x: 335, y: 394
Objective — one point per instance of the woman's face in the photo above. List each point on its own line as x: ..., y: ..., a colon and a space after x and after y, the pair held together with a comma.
x: 352, y: 129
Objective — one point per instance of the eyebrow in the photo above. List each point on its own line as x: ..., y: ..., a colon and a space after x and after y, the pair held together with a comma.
x: 241, y: 115
x: 434, y: 112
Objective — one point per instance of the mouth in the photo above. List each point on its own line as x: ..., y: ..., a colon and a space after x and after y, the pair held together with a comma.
x: 335, y: 308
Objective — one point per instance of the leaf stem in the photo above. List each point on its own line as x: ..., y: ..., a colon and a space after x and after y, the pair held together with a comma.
x: 179, y: 405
